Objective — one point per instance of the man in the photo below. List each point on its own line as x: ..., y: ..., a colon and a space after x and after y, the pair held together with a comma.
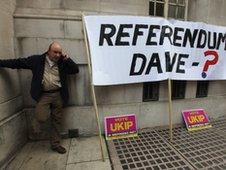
x: 48, y: 87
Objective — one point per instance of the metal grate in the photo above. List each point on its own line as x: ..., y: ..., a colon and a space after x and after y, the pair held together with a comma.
x: 148, y: 151
x: 220, y: 126
x: 205, y: 149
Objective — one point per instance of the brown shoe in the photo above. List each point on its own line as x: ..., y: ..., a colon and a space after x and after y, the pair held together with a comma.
x: 59, y: 149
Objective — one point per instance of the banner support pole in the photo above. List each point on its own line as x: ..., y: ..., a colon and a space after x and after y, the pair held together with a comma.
x: 93, y: 89
x: 170, y: 109
x: 169, y: 83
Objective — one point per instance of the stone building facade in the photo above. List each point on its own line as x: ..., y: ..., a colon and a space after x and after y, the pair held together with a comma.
x: 28, y: 26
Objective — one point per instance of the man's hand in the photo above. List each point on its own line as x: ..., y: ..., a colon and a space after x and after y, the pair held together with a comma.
x: 65, y: 56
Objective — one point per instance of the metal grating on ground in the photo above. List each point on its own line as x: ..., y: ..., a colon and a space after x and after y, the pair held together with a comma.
x: 147, y: 151
x: 220, y: 125
x: 205, y: 149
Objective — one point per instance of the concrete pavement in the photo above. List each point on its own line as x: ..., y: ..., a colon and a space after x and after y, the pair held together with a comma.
x: 82, y: 154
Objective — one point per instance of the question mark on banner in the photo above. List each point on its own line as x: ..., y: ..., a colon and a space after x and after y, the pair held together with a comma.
x: 209, y: 62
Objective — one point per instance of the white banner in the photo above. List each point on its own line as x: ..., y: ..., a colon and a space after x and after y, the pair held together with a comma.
x: 132, y: 49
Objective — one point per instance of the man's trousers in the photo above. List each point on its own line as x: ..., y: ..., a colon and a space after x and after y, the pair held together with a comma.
x: 49, y: 106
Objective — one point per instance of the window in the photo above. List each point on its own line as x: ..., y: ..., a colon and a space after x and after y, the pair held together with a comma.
x: 173, y: 9
x: 202, y: 89
x: 150, y: 91
x: 156, y: 8
x: 177, y: 9
x: 178, y: 89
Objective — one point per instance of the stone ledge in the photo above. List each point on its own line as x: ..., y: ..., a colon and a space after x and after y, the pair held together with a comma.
x: 57, y: 14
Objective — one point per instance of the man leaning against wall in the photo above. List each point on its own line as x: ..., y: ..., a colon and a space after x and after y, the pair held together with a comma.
x: 48, y: 87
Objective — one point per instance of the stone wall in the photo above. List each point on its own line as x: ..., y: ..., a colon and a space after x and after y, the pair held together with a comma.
x: 12, y: 120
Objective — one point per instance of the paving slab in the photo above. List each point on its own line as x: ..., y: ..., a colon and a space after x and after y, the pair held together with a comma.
x: 19, y: 159
x: 38, y: 156
x: 82, y: 153
x: 93, y: 165
x: 86, y: 149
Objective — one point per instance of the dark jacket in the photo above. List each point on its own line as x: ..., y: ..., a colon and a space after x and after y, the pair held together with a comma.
x: 36, y: 64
